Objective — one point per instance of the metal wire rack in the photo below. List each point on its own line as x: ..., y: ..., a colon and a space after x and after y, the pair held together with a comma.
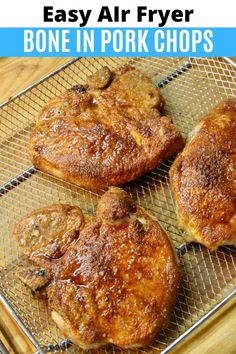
x: 191, y: 87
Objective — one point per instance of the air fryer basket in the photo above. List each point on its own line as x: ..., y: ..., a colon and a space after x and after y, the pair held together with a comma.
x: 191, y: 87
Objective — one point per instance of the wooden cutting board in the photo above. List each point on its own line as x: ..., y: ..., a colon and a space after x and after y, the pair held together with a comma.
x: 216, y: 336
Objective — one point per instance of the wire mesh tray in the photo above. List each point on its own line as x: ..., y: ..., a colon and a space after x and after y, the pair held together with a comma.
x: 191, y: 87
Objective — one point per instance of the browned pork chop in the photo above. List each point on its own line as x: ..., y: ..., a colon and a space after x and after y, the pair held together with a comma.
x: 118, y: 283
x: 107, y: 132
x: 203, y: 179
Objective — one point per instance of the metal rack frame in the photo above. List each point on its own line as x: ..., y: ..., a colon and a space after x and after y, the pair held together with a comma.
x: 166, y: 74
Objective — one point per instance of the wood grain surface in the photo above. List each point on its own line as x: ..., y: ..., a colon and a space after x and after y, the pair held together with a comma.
x: 18, y: 73
x: 216, y: 336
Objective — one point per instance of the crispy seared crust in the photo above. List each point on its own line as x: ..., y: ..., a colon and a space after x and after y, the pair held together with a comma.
x: 203, y: 179
x: 99, y: 137
x: 118, y: 283
x: 128, y: 274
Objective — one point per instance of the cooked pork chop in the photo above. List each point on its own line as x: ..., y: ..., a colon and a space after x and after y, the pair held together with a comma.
x: 203, y: 179
x: 118, y: 282
x: 107, y: 132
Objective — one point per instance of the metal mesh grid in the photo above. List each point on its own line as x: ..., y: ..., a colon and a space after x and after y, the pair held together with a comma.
x: 191, y: 87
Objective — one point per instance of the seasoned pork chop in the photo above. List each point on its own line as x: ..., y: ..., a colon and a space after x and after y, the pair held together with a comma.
x: 203, y: 179
x: 107, y: 132
x: 118, y: 283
